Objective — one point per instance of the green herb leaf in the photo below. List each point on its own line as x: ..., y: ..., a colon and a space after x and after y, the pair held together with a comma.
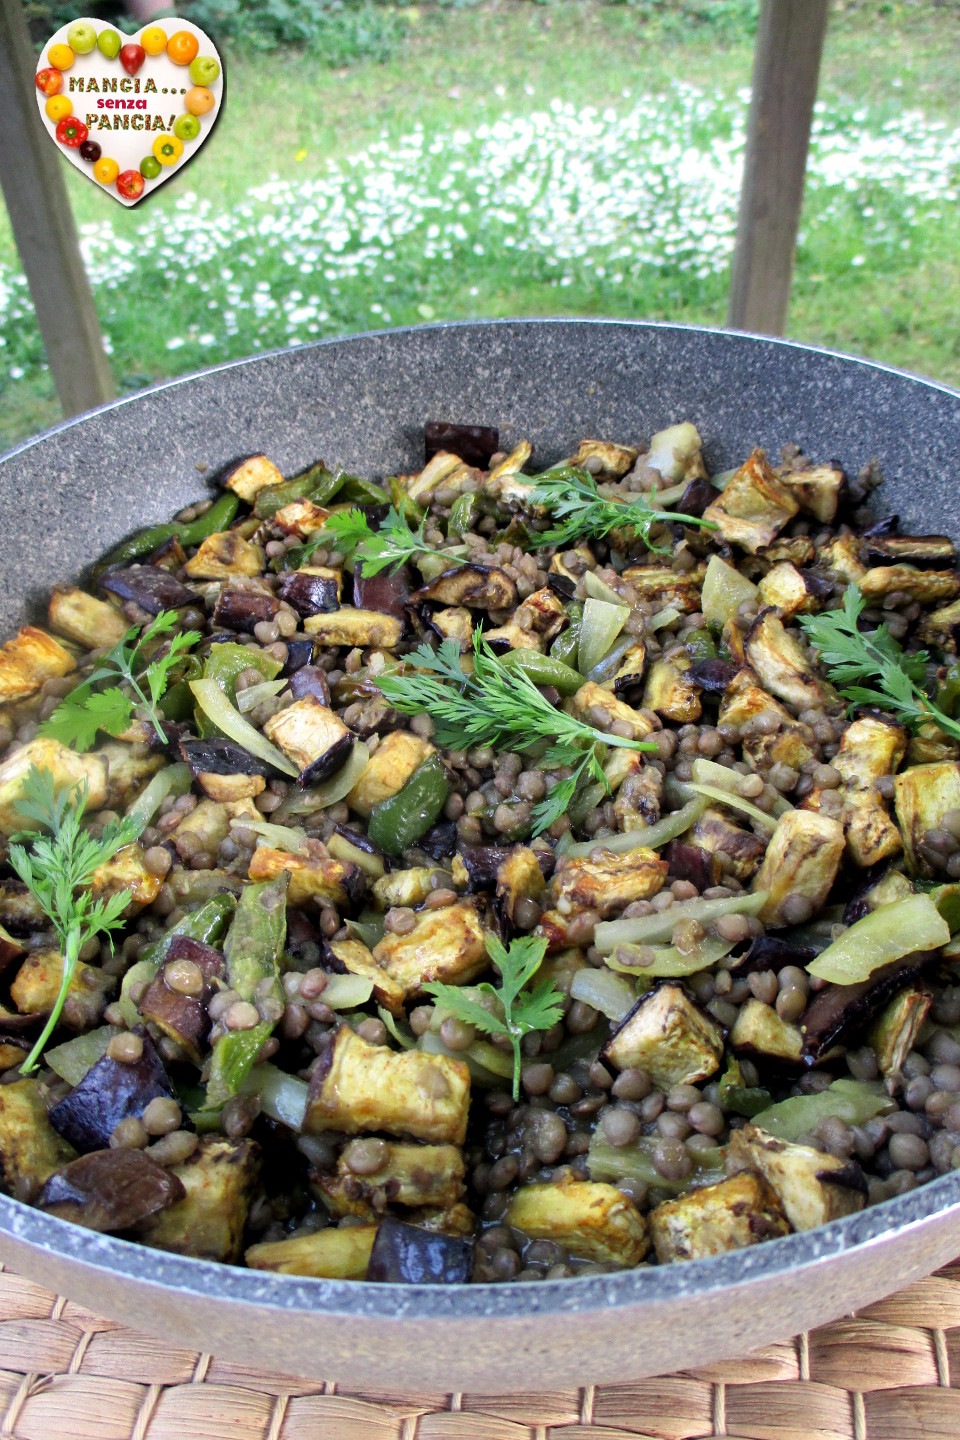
x: 140, y: 676
x: 500, y: 707
x: 852, y: 656
x: 57, y: 870
x: 523, y: 1010
x: 571, y: 496
x: 386, y: 548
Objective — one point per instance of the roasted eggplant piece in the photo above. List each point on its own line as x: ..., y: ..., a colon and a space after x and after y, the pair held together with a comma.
x: 839, y: 1010
x: 697, y: 496
x: 739, y: 851
x: 37, y: 985
x: 84, y: 619
x: 445, y: 944
x: 208, y: 1219
x: 930, y: 587
x: 895, y: 1030
x: 919, y: 550
x: 713, y: 676
x: 608, y: 461
x: 478, y: 587
x: 802, y: 858
x: 922, y: 796
x: 669, y: 1036
x: 244, y: 609
x: 183, y: 1017
x: 409, y: 1175
x: 474, y: 444
x: 30, y: 1148
x: 150, y: 587
x: 312, y: 591
x: 299, y: 655
x: 387, y: 592
x: 754, y: 507
x: 606, y: 882
x: 28, y: 660
x: 784, y: 668
x: 519, y: 877
x: 730, y: 1215
x: 110, y: 1190
x: 351, y: 957
x: 312, y: 877
x: 817, y: 489
x: 220, y: 756
x: 409, y: 1254
x: 249, y: 476
x: 535, y: 622
x: 759, y: 1031
x: 357, y: 1087
x: 871, y: 747
x: 329, y: 1254
x: 592, y: 1220
x: 391, y: 765
x: 347, y: 626
x: 744, y: 699
x: 661, y: 587
x: 670, y: 692
x: 690, y: 862
x: 112, y: 1091
x: 591, y: 694
x: 812, y: 1186
x: 313, y: 736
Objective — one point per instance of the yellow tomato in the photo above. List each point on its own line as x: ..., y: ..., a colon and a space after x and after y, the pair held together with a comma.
x: 106, y: 170
x: 61, y: 56
x: 58, y: 107
x: 168, y: 149
x: 154, y: 40
x: 199, y: 100
x: 182, y: 47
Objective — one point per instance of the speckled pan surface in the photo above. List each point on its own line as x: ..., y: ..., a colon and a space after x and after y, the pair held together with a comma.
x: 362, y: 402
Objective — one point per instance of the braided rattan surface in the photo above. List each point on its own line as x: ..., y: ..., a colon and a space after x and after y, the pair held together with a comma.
x: 891, y: 1372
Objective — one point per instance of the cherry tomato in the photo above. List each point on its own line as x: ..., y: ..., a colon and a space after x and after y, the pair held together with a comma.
x: 199, y: 100
x: 186, y: 127
x: 106, y: 170
x: 130, y: 184
x: 154, y: 40
x: 72, y: 132
x: 131, y: 58
x: 182, y: 47
x: 50, y: 81
x: 150, y: 167
x: 61, y: 56
x: 90, y: 150
x: 168, y: 149
x: 58, y: 107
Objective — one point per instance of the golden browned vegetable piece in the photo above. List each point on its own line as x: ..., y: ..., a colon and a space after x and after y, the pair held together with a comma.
x: 251, y: 476
x: 922, y: 796
x: 741, y: 1211
x: 606, y: 882
x: 67, y: 769
x: 784, y: 668
x: 759, y: 1030
x: 592, y: 1220
x: 225, y: 554
x: 812, y: 1186
x: 353, y: 958
x: 897, y: 1027
x: 219, y: 1178
x: 30, y: 1148
x: 870, y: 747
x: 348, y: 626
x: 408, y: 1175
x: 754, y: 507
x: 669, y: 1036
x: 324, y: 1254
x: 802, y: 859
x: 83, y: 618
x: 388, y: 769
x: 336, y: 881
x: 29, y: 659
x: 445, y: 944
x: 670, y: 693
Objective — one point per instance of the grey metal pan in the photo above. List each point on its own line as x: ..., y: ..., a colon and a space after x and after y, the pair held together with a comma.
x: 362, y: 402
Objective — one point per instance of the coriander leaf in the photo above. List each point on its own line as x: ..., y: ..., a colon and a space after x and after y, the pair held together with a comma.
x: 79, y: 718
x: 570, y: 494
x: 58, y: 869
x: 389, y: 547
x: 523, y: 1010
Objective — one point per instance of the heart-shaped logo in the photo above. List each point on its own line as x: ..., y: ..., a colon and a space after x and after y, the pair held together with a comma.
x: 129, y: 110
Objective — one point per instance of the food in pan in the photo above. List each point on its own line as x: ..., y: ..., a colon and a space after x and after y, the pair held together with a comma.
x: 486, y: 874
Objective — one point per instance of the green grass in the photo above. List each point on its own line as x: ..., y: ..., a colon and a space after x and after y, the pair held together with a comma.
x: 287, y: 115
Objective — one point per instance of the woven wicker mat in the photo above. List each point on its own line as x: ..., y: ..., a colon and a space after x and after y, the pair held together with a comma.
x: 885, y: 1374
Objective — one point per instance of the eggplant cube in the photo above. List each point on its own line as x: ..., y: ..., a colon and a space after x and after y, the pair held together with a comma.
x: 323, y: 1254
x: 784, y: 667
x: 743, y: 849
x: 896, y: 1029
x: 208, y: 1223
x: 735, y: 1213
x: 111, y: 1091
x: 127, y: 772
x: 817, y: 489
x: 668, y: 1035
x: 225, y: 555
x: 922, y: 796
x: 607, y: 882
x: 348, y: 626
x: 127, y: 871
x: 351, y: 957
x: 67, y: 769
x: 30, y: 658
x: 412, y: 1255
x: 250, y: 476
x: 479, y: 587
x: 519, y: 877
x: 30, y: 1148
x: 110, y: 1190
x: 592, y: 1220
x: 37, y: 985
x: 615, y: 460
x: 408, y: 887
x: 812, y: 1186
x: 184, y: 1017
x: 312, y: 590
x: 591, y: 694
x: 313, y: 736
x: 758, y: 1030
x: 357, y: 1087
x: 802, y: 858
x: 534, y: 623
x: 446, y: 944
x: 670, y: 693
x: 338, y: 881
x: 410, y: 1175
x: 388, y: 770
x: 85, y: 619
x: 754, y: 507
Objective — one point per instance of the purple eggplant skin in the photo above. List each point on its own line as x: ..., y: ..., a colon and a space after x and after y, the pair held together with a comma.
x: 110, y: 1092
x: 148, y: 586
x: 473, y: 443
x: 220, y: 756
x: 691, y: 862
x: 309, y: 594
x: 299, y: 653
x: 238, y: 609
x: 562, y: 585
x: 110, y: 1190
x: 329, y: 762
x: 857, y: 907
x: 770, y: 952
x: 405, y: 1254
x: 385, y: 593
x: 697, y: 496
x: 837, y: 1009
x: 711, y: 675
x: 310, y: 680
x: 184, y: 1017
x: 888, y: 525
x: 440, y: 840
x: 483, y: 861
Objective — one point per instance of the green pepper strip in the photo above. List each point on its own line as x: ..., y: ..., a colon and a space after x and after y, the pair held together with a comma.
x: 318, y: 484
x: 399, y: 822
x: 567, y: 644
x: 543, y: 670
x: 188, y: 532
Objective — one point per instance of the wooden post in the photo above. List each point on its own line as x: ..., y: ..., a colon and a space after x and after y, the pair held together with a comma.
x: 785, y: 70
x: 42, y: 221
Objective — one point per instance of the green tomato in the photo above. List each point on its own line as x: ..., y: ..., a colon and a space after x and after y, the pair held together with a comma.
x: 186, y: 127
x: 150, y: 167
x: 108, y: 43
x: 81, y: 37
x: 204, y: 69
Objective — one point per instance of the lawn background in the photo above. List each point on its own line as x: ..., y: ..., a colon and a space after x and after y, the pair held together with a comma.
x: 376, y: 72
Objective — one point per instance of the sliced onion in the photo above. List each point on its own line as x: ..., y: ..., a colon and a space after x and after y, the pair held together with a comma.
x: 668, y: 962
x: 278, y: 837
x: 171, y: 780
x: 650, y: 837
x: 330, y: 792
x: 282, y: 1097
x: 604, y: 991
x: 217, y: 708
x: 250, y: 699
x: 601, y: 624
x: 657, y: 928
x: 737, y: 802
x: 346, y: 992
x: 598, y: 589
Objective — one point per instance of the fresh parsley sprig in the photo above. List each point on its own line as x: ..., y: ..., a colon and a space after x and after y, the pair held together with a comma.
x: 386, y: 548
x: 571, y: 496
x: 57, y: 870
x: 501, y: 707
x: 852, y: 657
x: 517, y: 1011
x: 137, y: 679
